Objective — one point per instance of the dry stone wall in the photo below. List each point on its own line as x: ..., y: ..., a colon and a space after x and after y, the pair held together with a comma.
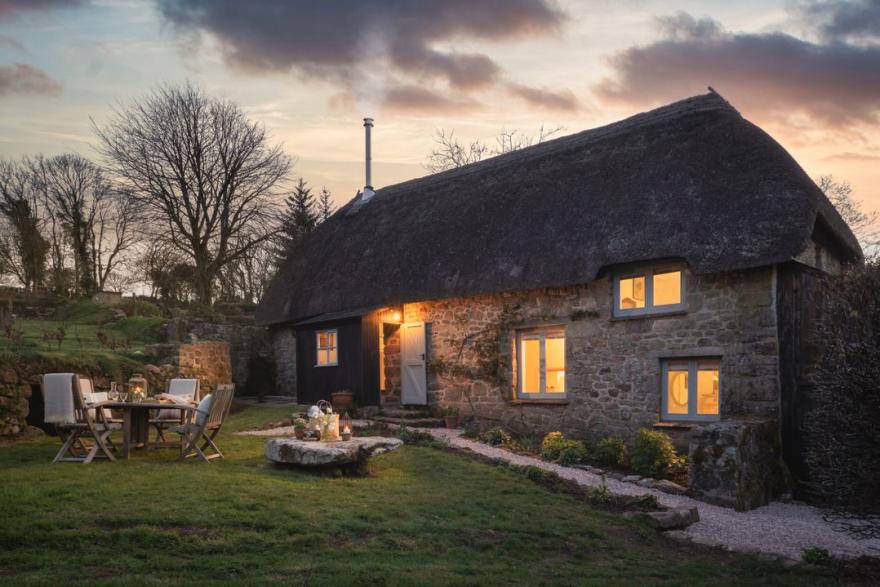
x: 284, y: 352
x: 613, y: 366
x: 207, y: 361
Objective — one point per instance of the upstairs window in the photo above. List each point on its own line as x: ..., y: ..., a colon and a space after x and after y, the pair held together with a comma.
x: 327, y: 351
x: 649, y: 291
x: 541, y: 360
x: 691, y: 389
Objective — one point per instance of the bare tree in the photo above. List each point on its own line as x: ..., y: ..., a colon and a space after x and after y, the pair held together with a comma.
x: 450, y: 153
x: 113, y: 235
x: 23, y: 250
x: 76, y: 192
x: 204, y: 173
x: 865, y: 225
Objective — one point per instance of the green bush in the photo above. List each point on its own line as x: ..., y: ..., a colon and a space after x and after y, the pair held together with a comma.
x: 555, y: 447
x: 815, y: 556
x: 141, y: 308
x: 652, y: 454
x: 611, y: 451
x: 497, y: 436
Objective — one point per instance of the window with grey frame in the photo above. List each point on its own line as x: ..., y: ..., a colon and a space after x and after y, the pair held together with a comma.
x: 649, y: 290
x: 691, y: 389
x: 541, y: 363
x: 327, y: 348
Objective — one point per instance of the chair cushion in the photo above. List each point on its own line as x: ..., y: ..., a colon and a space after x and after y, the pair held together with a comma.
x: 203, y: 409
x: 97, y: 397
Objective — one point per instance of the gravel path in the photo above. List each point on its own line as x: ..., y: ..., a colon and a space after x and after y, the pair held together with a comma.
x: 782, y: 529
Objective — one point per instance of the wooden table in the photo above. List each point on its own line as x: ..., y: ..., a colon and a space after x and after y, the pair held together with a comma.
x: 136, y: 420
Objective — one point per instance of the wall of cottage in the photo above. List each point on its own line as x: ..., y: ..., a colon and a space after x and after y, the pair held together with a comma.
x: 284, y: 351
x: 613, y: 372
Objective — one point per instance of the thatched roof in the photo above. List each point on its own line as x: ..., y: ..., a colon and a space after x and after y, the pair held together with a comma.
x: 692, y: 180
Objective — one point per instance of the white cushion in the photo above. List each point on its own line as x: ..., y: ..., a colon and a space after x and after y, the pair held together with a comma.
x: 58, y: 398
x: 204, y: 408
x: 184, y: 388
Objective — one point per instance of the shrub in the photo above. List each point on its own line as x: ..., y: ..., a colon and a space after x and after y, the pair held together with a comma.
x: 555, y: 447
x: 612, y: 451
x: 140, y: 308
x: 841, y: 432
x: 652, y: 454
x: 572, y: 453
x: 497, y: 436
x: 471, y: 429
x: 815, y: 556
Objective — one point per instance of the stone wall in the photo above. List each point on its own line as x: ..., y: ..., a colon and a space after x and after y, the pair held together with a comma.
x: 612, y: 365
x: 207, y: 361
x: 284, y: 351
x: 391, y: 393
x: 14, y: 408
x: 244, y: 341
x: 737, y: 463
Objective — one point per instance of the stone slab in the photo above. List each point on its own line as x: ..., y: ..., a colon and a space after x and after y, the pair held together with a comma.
x: 350, y: 455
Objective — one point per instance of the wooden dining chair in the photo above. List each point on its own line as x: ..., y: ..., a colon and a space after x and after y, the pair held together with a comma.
x: 65, y: 406
x: 204, y: 426
x: 187, y: 389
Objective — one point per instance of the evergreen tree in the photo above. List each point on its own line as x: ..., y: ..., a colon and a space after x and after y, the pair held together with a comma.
x: 300, y: 217
x: 325, y: 205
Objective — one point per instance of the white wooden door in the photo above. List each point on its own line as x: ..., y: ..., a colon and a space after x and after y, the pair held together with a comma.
x: 412, y: 364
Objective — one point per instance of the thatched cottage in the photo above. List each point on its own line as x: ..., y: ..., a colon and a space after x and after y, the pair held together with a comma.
x: 654, y: 272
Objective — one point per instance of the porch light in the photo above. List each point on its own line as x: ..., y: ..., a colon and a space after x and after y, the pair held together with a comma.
x: 396, y: 316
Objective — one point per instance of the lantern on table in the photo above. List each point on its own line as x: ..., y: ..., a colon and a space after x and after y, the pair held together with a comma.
x: 137, y: 386
x: 345, y: 426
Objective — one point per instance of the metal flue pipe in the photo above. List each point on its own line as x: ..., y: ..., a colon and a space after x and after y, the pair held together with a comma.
x: 368, y: 127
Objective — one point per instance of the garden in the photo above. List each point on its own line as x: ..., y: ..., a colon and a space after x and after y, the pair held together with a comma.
x: 424, y: 514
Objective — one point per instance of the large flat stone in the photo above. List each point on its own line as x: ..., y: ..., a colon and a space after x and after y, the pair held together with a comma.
x: 349, y: 455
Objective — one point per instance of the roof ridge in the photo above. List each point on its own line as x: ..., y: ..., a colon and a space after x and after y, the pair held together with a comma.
x: 699, y: 103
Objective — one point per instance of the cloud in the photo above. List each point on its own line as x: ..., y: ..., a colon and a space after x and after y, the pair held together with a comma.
x: 12, y: 43
x: 21, y: 78
x: 375, y: 49
x: 10, y: 9
x: 852, y: 157
x: 843, y: 20
x: 770, y: 75
x: 563, y: 100
x: 418, y: 99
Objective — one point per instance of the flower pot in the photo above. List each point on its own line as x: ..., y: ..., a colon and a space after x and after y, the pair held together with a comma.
x: 451, y: 421
x: 300, y: 433
x: 341, y: 399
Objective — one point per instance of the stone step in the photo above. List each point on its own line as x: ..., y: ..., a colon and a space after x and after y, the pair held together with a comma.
x: 406, y: 412
x: 416, y: 422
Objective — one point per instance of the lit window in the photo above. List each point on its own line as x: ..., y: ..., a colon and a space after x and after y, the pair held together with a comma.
x: 541, y: 360
x: 651, y: 291
x: 691, y: 389
x: 327, y: 351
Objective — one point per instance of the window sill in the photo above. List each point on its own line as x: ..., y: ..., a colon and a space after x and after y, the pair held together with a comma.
x: 671, y: 314
x: 539, y: 401
x: 678, y: 425
x: 328, y: 365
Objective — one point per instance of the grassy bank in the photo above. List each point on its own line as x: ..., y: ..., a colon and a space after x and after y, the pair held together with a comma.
x: 425, y: 516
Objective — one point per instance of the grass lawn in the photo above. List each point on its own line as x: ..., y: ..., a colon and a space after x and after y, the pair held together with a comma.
x: 425, y: 516
x: 81, y: 322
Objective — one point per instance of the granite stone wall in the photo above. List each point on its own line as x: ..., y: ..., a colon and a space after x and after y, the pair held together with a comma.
x: 737, y: 463
x: 391, y: 393
x: 207, y: 361
x: 14, y: 406
x: 284, y: 351
x: 613, y: 366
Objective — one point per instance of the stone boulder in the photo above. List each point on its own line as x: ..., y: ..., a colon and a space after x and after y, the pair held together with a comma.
x: 674, y: 519
x: 350, y: 456
x: 737, y: 463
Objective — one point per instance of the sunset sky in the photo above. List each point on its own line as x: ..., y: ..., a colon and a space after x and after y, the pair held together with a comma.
x: 807, y: 72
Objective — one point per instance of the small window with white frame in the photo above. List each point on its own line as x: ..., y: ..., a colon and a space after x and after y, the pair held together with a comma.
x: 691, y: 389
x: 541, y: 363
x: 327, y: 350
x: 651, y: 290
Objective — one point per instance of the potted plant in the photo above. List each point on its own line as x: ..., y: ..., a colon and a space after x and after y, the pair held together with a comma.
x: 342, y: 398
x: 299, y: 428
x: 450, y: 416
